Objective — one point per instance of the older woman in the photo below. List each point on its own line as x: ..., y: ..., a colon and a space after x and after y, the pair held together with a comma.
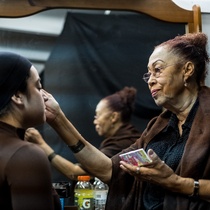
x: 177, y: 141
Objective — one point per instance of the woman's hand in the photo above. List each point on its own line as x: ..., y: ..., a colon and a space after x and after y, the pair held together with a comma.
x: 52, y: 107
x: 33, y: 135
x: 156, y: 172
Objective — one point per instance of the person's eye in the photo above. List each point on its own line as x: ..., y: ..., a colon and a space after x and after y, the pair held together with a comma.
x: 157, y: 70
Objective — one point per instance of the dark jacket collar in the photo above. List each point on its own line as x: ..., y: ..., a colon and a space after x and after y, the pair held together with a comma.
x: 11, y: 129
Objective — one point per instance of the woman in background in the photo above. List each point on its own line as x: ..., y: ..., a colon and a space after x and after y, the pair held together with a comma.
x: 113, y: 121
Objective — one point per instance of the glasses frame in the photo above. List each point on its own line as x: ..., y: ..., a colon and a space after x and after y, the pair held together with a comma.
x: 156, y: 73
x: 102, y: 114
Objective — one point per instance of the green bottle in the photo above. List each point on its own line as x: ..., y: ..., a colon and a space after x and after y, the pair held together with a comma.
x: 84, y: 194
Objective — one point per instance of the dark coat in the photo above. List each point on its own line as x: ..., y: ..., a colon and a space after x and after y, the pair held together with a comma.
x: 122, y: 139
x: 125, y: 192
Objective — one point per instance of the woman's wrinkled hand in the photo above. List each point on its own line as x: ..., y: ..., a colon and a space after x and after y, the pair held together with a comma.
x: 156, y: 172
x: 52, y: 107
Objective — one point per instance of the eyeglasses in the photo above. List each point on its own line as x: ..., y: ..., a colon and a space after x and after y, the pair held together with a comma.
x: 102, y: 114
x: 156, y: 72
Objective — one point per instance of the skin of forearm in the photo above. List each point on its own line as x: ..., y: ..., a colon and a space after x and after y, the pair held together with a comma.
x: 47, y: 149
x: 95, y: 162
x: 180, y: 184
x: 66, y: 130
x: 186, y: 186
x: 90, y: 157
x: 67, y: 168
x: 204, y: 189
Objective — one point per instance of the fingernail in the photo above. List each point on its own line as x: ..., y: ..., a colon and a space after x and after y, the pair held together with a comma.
x: 151, y: 153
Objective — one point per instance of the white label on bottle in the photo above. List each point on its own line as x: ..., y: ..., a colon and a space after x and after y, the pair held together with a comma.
x: 101, y: 195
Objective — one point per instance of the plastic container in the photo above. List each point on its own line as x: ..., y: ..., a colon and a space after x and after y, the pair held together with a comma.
x: 100, y: 194
x: 84, y: 194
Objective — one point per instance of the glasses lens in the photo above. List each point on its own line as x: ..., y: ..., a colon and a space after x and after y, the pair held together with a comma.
x: 146, y: 77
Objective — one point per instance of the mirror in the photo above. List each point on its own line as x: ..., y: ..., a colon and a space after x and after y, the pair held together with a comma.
x: 39, y: 47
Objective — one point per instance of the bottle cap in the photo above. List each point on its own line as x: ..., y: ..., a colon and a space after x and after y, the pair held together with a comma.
x: 97, y: 179
x: 83, y: 178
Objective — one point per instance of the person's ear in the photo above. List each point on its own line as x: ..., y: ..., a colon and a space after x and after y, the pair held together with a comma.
x: 17, y: 98
x: 115, y: 116
x: 189, y: 69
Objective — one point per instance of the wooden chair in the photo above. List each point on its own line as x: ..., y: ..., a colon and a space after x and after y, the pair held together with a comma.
x: 165, y: 10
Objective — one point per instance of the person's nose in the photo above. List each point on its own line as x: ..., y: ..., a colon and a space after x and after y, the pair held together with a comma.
x: 44, y: 96
x: 151, y: 79
x: 94, y: 121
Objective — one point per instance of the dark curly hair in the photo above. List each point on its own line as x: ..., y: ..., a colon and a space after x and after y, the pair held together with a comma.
x: 123, y: 101
x: 191, y: 47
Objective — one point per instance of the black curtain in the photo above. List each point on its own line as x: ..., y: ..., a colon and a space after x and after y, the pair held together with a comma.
x: 96, y: 55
